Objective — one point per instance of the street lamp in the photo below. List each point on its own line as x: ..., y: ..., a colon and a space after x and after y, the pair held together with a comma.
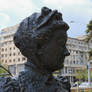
x: 70, y: 70
x: 88, y: 66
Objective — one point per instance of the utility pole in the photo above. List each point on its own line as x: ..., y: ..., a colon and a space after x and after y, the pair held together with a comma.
x: 89, y: 73
x: 77, y: 87
x: 88, y: 66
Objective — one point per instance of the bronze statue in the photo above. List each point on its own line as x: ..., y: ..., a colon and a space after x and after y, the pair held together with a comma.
x: 40, y: 37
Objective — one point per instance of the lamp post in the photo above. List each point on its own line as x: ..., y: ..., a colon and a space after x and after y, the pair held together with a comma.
x: 88, y: 66
x: 70, y: 71
x: 89, y: 79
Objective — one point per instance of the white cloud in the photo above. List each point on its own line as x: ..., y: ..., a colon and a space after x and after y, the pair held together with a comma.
x: 79, y: 11
x: 63, y: 3
x: 5, y: 16
x: 75, y: 10
x: 4, y: 20
x: 9, y: 4
x: 16, y: 9
x: 72, y: 6
x: 17, y: 6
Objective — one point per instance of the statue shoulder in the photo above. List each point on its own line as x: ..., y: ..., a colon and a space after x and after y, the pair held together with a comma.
x: 14, y: 84
x: 7, y: 84
x: 64, y: 84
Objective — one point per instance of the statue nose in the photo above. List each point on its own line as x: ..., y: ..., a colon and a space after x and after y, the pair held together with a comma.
x: 66, y: 52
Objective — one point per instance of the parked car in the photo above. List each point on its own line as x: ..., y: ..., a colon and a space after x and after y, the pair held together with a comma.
x: 85, y: 85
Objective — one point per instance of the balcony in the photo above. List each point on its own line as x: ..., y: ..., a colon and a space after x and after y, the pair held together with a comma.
x: 76, y: 65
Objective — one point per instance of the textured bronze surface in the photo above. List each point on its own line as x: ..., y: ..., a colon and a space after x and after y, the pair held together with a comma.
x: 42, y: 38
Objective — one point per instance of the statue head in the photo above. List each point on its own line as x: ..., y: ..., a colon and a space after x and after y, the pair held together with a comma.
x: 42, y: 37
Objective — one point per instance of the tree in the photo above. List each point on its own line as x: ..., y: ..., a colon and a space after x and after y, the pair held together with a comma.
x: 89, y: 36
x: 82, y: 74
x: 89, y: 31
x: 4, y: 69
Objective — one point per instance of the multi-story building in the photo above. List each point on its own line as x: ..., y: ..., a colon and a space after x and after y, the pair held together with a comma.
x: 11, y: 56
x: 78, y: 58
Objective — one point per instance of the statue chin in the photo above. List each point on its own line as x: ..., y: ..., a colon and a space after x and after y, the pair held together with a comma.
x: 42, y: 38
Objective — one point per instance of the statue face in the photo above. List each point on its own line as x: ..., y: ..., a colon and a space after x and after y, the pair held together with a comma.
x: 42, y: 37
x: 53, y: 53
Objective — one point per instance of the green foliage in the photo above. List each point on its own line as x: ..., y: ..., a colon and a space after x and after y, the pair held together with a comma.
x: 89, y: 31
x: 2, y: 71
x: 89, y: 36
x: 90, y: 54
x: 82, y: 74
x: 89, y: 26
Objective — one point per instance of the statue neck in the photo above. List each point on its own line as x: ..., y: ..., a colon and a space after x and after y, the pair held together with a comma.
x: 36, y: 74
x: 29, y: 66
x: 38, y: 79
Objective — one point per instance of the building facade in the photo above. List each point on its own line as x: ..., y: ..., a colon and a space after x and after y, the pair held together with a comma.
x: 78, y: 58
x: 11, y: 56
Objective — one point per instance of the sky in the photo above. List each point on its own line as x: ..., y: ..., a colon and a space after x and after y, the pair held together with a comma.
x: 12, y: 12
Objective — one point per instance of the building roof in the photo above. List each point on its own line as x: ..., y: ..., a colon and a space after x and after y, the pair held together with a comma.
x: 10, y: 28
x: 81, y: 37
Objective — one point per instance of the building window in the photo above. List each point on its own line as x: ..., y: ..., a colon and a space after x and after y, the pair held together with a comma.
x: 10, y: 60
x: 10, y: 54
x: 2, y: 55
x: 14, y: 48
x: 18, y: 59
x: 13, y: 60
x: 76, y: 52
x: 5, y: 55
x: 23, y: 58
x: 10, y: 48
x: 14, y: 54
x: 65, y: 69
x: 2, y: 60
x: 77, y: 62
x: 74, y: 62
x: 18, y: 53
x: 6, y: 61
x: 70, y: 62
x: 6, y: 49
x: 2, y: 49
